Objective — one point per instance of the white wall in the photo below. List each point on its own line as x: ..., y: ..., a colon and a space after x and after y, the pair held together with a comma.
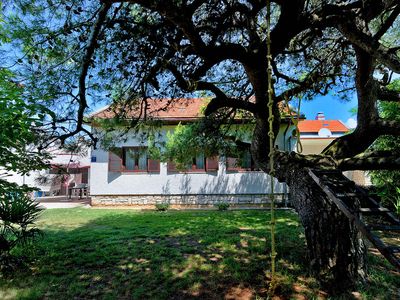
x: 104, y: 182
x: 28, y: 179
x: 57, y: 159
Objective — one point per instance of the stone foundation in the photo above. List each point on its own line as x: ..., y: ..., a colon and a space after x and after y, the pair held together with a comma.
x: 185, y: 201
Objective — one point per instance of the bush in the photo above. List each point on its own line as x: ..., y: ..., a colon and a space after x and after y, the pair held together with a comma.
x: 390, y: 196
x: 162, y: 206
x: 222, y: 206
x: 18, y: 213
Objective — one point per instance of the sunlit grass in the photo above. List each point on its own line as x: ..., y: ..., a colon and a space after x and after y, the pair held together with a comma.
x: 122, y: 254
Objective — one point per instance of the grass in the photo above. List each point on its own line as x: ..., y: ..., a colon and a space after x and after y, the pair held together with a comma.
x: 122, y: 254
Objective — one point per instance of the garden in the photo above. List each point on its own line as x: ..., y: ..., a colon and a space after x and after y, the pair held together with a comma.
x: 126, y: 254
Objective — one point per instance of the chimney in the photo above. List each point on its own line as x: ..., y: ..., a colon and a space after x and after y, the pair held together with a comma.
x: 320, y: 116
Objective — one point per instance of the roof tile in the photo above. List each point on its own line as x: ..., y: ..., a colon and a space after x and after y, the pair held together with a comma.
x: 315, y: 125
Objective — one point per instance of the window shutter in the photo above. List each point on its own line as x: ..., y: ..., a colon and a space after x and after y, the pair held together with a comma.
x: 199, y: 163
x: 115, y: 160
x: 246, y: 163
x: 212, y: 163
x: 153, y: 165
x: 142, y: 162
x: 171, y: 167
x: 85, y: 175
x: 232, y: 164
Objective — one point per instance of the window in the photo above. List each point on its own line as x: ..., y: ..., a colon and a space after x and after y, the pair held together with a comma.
x: 242, y: 163
x: 200, y: 163
x: 131, y: 159
x: 134, y: 159
x: 85, y: 175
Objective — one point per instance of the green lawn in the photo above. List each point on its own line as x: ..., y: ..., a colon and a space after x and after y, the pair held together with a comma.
x: 122, y: 254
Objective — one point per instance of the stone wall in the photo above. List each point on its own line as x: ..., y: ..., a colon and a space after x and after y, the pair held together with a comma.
x: 182, y: 201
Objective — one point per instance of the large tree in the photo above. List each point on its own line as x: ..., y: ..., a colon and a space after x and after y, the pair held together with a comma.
x: 76, y: 51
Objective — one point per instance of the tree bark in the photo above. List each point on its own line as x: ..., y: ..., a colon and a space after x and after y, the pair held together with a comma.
x: 336, y: 250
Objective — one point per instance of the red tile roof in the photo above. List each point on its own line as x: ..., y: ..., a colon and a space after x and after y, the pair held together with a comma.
x: 185, y: 109
x: 313, y: 126
x: 182, y: 109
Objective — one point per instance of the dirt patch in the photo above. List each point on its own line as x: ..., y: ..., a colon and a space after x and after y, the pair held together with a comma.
x: 239, y: 293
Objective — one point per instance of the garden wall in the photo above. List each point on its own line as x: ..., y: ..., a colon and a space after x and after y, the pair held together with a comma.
x: 186, y: 201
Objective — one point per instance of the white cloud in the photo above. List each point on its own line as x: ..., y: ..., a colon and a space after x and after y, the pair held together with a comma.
x: 351, y: 123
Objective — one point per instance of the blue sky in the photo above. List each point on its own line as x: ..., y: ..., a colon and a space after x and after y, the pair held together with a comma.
x: 333, y: 108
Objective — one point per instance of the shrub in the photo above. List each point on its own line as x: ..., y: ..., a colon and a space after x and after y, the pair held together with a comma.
x: 162, y: 206
x: 388, y: 192
x: 222, y: 206
x: 18, y: 213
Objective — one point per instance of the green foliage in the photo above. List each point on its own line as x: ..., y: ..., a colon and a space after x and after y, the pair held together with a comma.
x: 19, y: 128
x: 182, y: 145
x: 191, y: 140
x: 18, y: 213
x: 353, y: 111
x: 387, y: 189
x: 162, y: 206
x: 222, y: 206
x: 387, y: 186
x: 396, y: 201
x: 387, y: 183
x: 20, y: 124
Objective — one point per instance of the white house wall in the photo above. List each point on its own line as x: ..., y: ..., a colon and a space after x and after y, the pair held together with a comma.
x: 28, y: 179
x: 128, y: 184
x: 104, y: 182
x: 57, y: 159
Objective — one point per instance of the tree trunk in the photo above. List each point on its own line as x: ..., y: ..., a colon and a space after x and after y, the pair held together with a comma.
x: 336, y: 250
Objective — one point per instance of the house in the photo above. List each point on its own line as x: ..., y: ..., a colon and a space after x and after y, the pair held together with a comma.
x: 316, y: 135
x: 126, y: 175
x: 66, y: 170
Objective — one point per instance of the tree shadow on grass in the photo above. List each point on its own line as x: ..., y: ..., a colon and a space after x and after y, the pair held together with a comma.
x: 204, y: 255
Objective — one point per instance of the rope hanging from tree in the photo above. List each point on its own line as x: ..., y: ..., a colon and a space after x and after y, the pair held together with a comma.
x: 271, y: 144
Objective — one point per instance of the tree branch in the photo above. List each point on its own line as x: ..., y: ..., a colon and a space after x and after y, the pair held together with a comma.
x: 220, y: 102
x: 183, y: 21
x: 388, y: 23
x: 387, y: 127
x: 290, y: 23
x: 283, y: 76
x: 191, y: 86
x: 371, y: 161
x: 350, y: 145
x: 86, y: 61
x: 369, y: 45
x: 304, y: 85
x: 384, y: 94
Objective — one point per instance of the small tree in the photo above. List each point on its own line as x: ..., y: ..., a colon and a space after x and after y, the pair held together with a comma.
x: 18, y: 213
x: 19, y: 153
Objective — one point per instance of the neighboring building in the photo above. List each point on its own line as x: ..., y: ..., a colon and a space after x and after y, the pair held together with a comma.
x: 67, y: 170
x: 316, y: 135
x: 126, y: 175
